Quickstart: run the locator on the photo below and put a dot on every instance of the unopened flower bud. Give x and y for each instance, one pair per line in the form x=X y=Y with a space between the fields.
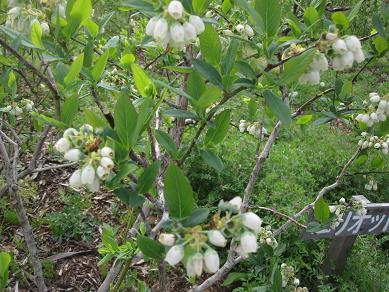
x=107 y=152
x=175 y=255
x=167 y=239
x=216 y=238
x=211 y=261
x=106 y=162
x=75 y=179
x=248 y=242
x=194 y=266
x=62 y=145
x=88 y=175
x=102 y=172
x=73 y=155
x=198 y=23
x=252 y=221
x=236 y=202
x=175 y=9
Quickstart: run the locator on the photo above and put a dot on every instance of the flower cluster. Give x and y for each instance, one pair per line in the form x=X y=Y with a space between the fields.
x=84 y=146
x=288 y=277
x=345 y=51
x=171 y=28
x=378 y=110
x=379 y=143
x=342 y=207
x=253 y=128
x=245 y=30
x=312 y=75
x=371 y=185
x=195 y=247
x=16 y=108
x=266 y=237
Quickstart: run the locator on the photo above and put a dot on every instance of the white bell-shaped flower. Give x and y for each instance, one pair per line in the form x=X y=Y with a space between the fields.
x=248 y=242
x=331 y=36
x=359 y=56
x=161 y=32
x=88 y=175
x=249 y=30
x=151 y=25
x=353 y=43
x=62 y=145
x=198 y=23
x=347 y=60
x=45 y=28
x=175 y=255
x=73 y=155
x=337 y=63
x=239 y=250
x=175 y=9
x=216 y=238
x=177 y=35
x=94 y=186
x=374 y=97
x=194 y=266
x=240 y=28
x=106 y=162
x=190 y=32
x=252 y=221
x=319 y=63
x=75 y=179
x=236 y=202
x=211 y=261
x=107 y=152
x=339 y=46
x=102 y=172
x=167 y=239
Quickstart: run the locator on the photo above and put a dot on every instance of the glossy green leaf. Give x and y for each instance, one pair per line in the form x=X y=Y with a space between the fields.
x=210 y=45
x=99 y=67
x=132 y=199
x=322 y=211
x=229 y=58
x=296 y=66
x=270 y=11
x=5 y=260
x=69 y=109
x=81 y=10
x=178 y=192
x=125 y=118
x=341 y=21
x=199 y=6
x=36 y=34
x=216 y=134
x=150 y=248
x=94 y=119
x=278 y=107
x=197 y=217
x=209 y=96
x=166 y=142
x=147 y=178
x=196 y=85
x=303 y=120
x=143 y=83
x=74 y=69
x=127 y=60
x=212 y=160
x=311 y=16
x=208 y=71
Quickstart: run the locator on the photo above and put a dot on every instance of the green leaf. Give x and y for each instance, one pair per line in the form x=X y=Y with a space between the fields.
x=311 y=16
x=229 y=59
x=147 y=178
x=276 y=279
x=199 y=6
x=94 y=119
x=5 y=260
x=278 y=107
x=252 y=108
x=381 y=45
x=314 y=227
x=125 y=118
x=302 y=120
x=81 y=10
x=209 y=72
x=167 y=142
x=127 y=60
x=377 y=162
x=196 y=85
x=132 y=199
x=144 y=84
x=36 y=34
x=74 y=69
x=99 y=67
x=354 y=12
x=178 y=192
x=210 y=45
x=296 y=66
x=197 y=217
x=150 y=248
x=178 y=91
x=347 y=89
x=92 y=27
x=212 y=160
x=340 y=20
x=322 y=211
x=50 y=120
x=209 y=96
x=216 y=134
x=270 y=11
x=108 y=238
x=234 y=277
x=69 y=109
x=142 y=5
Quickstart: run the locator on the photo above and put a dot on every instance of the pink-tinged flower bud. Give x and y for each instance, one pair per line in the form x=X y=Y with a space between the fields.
x=211 y=261
x=75 y=179
x=175 y=9
x=106 y=162
x=102 y=172
x=175 y=255
x=198 y=23
x=88 y=175
x=194 y=266
x=62 y=145
x=216 y=238
x=236 y=202
x=252 y=221
x=73 y=155
x=151 y=25
x=167 y=239
x=248 y=242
